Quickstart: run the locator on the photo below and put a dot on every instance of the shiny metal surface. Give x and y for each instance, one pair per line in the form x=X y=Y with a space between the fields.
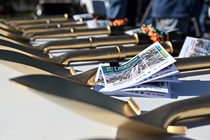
x=160 y=120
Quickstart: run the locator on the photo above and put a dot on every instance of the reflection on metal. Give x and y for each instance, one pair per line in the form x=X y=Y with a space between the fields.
x=72 y=71
x=136 y=37
x=194 y=112
x=178 y=130
x=91 y=81
x=170 y=49
x=133 y=105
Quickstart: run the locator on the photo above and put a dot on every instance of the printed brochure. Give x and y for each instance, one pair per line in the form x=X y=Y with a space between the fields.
x=137 y=76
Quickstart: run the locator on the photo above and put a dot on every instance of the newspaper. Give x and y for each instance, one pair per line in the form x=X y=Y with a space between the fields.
x=165 y=73
x=151 y=65
x=155 y=89
x=195 y=47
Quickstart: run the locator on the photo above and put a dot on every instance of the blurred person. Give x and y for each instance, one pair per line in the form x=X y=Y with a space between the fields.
x=173 y=14
x=139 y=11
x=203 y=16
x=116 y=9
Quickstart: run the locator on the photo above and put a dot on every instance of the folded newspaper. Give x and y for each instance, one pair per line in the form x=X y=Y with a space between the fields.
x=195 y=47
x=148 y=74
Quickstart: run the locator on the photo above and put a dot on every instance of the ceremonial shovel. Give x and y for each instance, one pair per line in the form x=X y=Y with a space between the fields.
x=38 y=19
x=43 y=27
x=90 y=42
x=63 y=33
x=121 y=115
x=116 y=52
x=182 y=64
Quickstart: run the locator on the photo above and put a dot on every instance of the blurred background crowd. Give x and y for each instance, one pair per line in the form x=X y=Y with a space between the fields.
x=189 y=16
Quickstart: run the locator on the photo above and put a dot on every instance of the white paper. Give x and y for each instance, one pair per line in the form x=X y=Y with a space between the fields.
x=83 y=16
x=98 y=23
x=145 y=64
x=195 y=47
